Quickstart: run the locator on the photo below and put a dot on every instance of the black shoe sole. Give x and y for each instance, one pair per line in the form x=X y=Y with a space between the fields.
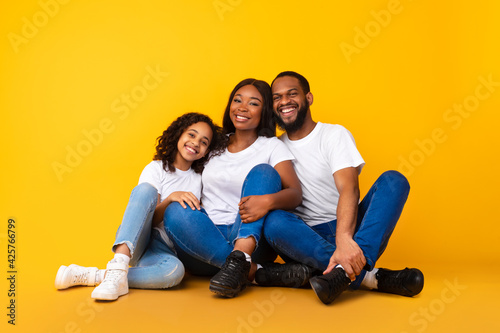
x=316 y=286
x=225 y=292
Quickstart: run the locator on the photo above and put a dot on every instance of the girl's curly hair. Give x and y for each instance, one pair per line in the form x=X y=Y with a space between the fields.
x=166 y=147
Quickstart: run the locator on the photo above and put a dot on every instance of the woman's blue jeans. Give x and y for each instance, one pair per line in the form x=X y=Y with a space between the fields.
x=378 y=214
x=199 y=242
x=154 y=264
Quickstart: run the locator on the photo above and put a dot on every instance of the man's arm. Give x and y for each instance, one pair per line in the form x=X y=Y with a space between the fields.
x=348 y=253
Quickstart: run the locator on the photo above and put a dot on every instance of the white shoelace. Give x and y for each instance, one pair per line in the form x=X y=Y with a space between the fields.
x=113 y=276
x=81 y=276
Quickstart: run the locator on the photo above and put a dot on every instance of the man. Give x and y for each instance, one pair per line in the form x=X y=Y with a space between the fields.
x=331 y=231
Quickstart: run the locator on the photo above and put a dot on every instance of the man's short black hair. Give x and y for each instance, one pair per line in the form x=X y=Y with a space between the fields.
x=302 y=80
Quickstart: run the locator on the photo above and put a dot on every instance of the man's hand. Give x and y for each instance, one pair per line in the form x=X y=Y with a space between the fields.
x=253 y=207
x=184 y=198
x=349 y=255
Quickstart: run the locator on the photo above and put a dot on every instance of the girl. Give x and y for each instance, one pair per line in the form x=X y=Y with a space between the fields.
x=174 y=175
x=251 y=177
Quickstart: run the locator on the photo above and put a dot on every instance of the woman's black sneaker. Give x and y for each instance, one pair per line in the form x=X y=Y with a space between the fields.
x=292 y=275
x=407 y=282
x=232 y=277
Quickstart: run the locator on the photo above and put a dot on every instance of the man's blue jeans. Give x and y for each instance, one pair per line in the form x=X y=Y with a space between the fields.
x=154 y=264
x=199 y=242
x=378 y=214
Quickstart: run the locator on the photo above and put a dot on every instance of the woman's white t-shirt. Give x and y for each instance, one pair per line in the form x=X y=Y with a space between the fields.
x=224 y=175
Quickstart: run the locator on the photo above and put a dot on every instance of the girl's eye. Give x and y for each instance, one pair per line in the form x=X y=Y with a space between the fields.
x=191 y=135
x=204 y=143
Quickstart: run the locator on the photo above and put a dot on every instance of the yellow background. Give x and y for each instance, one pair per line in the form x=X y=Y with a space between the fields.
x=65 y=69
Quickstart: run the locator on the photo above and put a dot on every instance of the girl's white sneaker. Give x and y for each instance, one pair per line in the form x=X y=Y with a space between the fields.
x=115 y=283
x=74 y=275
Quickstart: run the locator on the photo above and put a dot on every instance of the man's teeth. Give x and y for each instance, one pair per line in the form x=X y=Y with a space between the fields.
x=287 y=110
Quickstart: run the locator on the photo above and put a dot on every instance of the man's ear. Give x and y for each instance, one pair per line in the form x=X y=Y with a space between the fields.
x=310 y=98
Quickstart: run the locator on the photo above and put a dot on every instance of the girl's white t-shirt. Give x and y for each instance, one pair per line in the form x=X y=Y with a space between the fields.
x=167 y=182
x=224 y=175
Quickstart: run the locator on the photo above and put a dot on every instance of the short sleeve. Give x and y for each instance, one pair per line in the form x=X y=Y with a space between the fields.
x=342 y=151
x=279 y=153
x=152 y=174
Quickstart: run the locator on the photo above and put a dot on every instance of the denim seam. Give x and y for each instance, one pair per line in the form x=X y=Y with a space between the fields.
x=136 y=238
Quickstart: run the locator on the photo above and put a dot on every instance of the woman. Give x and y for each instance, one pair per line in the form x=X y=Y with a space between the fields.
x=253 y=176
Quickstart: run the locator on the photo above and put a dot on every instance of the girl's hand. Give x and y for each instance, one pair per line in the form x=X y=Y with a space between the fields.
x=184 y=198
x=253 y=207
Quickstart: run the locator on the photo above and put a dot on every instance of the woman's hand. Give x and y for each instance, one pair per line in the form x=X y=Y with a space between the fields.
x=253 y=207
x=184 y=198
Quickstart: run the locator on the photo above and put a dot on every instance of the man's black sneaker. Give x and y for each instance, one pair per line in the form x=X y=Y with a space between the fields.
x=232 y=277
x=329 y=286
x=292 y=275
x=407 y=282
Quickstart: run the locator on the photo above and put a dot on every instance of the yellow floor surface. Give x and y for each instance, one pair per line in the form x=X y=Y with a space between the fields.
x=454 y=299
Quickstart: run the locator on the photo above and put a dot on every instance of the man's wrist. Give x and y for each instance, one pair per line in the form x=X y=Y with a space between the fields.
x=343 y=237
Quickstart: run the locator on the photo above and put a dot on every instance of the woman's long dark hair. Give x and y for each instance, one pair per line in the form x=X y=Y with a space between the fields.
x=267 y=125
x=166 y=148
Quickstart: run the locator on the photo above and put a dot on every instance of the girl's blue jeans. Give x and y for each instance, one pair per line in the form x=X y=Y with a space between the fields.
x=154 y=263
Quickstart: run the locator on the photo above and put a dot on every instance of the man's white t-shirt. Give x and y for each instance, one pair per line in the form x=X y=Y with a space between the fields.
x=327 y=149
x=224 y=175
x=167 y=182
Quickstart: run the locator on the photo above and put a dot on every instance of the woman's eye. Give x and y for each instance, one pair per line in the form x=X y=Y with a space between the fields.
x=236 y=100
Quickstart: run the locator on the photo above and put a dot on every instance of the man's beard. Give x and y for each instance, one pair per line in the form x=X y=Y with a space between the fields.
x=297 y=123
